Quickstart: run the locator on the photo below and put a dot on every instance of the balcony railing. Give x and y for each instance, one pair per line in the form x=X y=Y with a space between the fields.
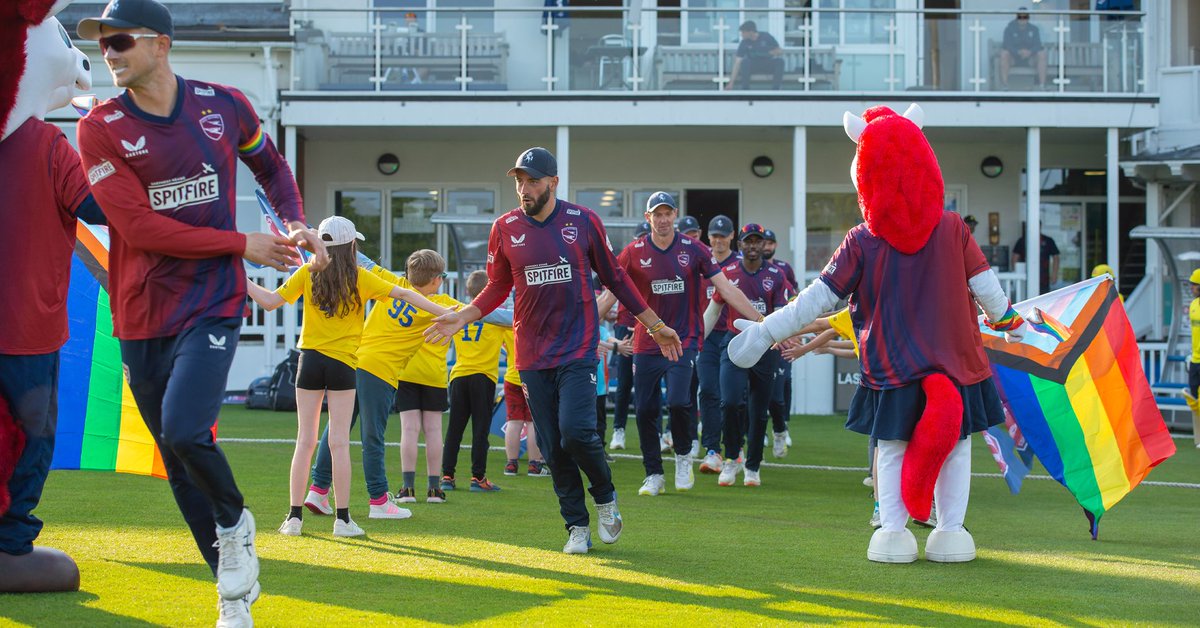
x=587 y=49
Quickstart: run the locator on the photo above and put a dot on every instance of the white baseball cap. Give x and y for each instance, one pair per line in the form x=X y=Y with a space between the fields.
x=336 y=230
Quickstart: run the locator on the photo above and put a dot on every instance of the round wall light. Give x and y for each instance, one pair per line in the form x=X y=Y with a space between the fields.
x=991 y=166
x=388 y=164
x=762 y=166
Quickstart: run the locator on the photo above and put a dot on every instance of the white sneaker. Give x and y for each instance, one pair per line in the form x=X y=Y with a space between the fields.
x=618 y=439
x=236 y=613
x=237 y=567
x=729 y=470
x=751 y=478
x=389 y=510
x=318 y=503
x=695 y=452
x=787 y=437
x=875 y=521
x=931 y=522
x=711 y=463
x=684 y=479
x=653 y=485
x=665 y=443
x=869 y=482
x=346 y=528
x=780 y=449
x=579 y=542
x=292 y=526
x=610 y=521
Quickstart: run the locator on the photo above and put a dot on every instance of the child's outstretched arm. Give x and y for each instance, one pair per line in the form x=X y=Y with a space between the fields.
x=265 y=299
x=418 y=299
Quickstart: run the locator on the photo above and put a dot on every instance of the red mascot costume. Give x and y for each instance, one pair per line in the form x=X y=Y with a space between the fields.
x=912 y=274
x=42 y=190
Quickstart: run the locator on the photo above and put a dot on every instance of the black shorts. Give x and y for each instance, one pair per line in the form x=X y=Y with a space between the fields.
x=410 y=396
x=318 y=371
x=1193 y=377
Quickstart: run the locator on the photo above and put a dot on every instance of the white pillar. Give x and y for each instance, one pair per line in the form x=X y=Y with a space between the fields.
x=1113 y=175
x=1153 y=210
x=802 y=387
x=562 y=147
x=1033 y=211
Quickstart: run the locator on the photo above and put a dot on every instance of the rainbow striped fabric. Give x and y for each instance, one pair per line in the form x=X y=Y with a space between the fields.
x=99 y=427
x=1079 y=395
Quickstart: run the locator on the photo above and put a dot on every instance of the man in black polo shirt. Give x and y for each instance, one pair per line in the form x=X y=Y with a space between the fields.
x=1022 y=46
x=758 y=53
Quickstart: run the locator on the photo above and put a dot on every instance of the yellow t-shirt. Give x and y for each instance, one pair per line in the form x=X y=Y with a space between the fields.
x=427 y=366
x=395 y=331
x=477 y=350
x=1194 y=316
x=840 y=323
x=337 y=337
x=511 y=374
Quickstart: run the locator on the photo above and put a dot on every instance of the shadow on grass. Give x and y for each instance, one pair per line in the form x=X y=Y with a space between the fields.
x=50 y=609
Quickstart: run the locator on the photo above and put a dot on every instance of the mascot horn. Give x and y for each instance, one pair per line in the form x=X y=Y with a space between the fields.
x=913 y=276
x=42 y=189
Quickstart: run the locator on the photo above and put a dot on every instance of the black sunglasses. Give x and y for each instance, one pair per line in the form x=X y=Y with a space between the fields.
x=122 y=41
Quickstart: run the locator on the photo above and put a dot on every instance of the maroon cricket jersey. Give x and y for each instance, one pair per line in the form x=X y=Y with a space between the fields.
x=721 y=325
x=766 y=289
x=671 y=282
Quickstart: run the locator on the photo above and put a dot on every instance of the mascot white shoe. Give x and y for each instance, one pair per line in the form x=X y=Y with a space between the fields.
x=42 y=190
x=913 y=276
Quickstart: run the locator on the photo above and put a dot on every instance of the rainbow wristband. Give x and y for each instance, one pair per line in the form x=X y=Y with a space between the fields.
x=1010 y=321
x=656 y=327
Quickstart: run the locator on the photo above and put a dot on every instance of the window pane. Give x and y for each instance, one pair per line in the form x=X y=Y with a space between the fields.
x=483 y=22
x=639 y=198
x=365 y=209
x=830 y=216
x=396 y=18
x=467 y=246
x=471 y=202
x=828 y=24
x=605 y=202
x=411 y=227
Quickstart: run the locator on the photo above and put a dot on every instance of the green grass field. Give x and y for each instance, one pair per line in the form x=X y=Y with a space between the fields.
x=790 y=551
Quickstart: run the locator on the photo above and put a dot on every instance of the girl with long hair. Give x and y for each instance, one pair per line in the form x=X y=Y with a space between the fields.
x=329 y=338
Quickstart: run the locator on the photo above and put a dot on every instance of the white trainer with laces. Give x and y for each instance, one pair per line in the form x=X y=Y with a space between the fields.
x=388 y=510
x=237 y=567
x=751 y=478
x=346 y=528
x=780 y=448
x=611 y=523
x=729 y=470
x=684 y=478
x=579 y=541
x=318 y=503
x=695 y=452
x=653 y=485
x=618 y=439
x=711 y=463
x=292 y=526
x=236 y=613
x=787 y=437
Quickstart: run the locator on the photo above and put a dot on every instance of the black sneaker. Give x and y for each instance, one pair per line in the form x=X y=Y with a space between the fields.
x=406 y=495
x=435 y=496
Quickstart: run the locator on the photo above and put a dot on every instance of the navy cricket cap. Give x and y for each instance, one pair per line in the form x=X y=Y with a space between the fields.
x=688 y=223
x=537 y=162
x=129 y=14
x=769 y=235
x=660 y=198
x=641 y=230
x=720 y=225
x=751 y=229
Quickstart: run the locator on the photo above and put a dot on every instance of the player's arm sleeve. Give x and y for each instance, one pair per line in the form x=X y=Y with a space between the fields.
x=499 y=273
x=844 y=270
x=272 y=172
x=70 y=186
x=610 y=272
x=373 y=286
x=293 y=288
x=126 y=205
x=500 y=316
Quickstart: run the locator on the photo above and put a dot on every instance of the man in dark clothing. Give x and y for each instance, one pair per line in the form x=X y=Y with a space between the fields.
x=758 y=53
x=1048 y=268
x=1022 y=46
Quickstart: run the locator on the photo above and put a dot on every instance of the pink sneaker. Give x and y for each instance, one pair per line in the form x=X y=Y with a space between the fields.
x=317 y=500
x=385 y=508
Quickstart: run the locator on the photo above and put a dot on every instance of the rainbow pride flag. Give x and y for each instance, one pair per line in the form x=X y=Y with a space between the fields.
x=99 y=427
x=1083 y=402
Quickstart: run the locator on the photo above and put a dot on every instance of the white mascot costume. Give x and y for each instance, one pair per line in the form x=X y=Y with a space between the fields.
x=913 y=275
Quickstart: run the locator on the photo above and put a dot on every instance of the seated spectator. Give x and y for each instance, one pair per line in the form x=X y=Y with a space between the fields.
x=758 y=53
x=1022 y=47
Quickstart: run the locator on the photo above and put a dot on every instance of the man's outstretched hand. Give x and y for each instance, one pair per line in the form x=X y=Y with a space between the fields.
x=445 y=327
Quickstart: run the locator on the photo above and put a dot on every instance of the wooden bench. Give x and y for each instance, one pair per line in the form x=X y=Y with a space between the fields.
x=434 y=57
x=679 y=67
x=1083 y=65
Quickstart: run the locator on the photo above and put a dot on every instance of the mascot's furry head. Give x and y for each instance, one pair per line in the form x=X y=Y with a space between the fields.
x=39 y=72
x=899 y=182
x=39 y=67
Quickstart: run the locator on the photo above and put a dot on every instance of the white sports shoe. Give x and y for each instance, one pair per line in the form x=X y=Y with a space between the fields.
x=729 y=470
x=787 y=437
x=711 y=463
x=389 y=510
x=579 y=542
x=318 y=503
x=236 y=613
x=237 y=567
x=610 y=521
x=875 y=521
x=653 y=485
x=292 y=526
x=618 y=439
x=346 y=528
x=695 y=452
x=684 y=478
x=780 y=449
x=665 y=443
x=869 y=482
x=751 y=478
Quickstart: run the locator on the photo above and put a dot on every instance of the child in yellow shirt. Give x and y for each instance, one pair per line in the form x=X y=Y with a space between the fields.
x=329 y=339
x=516 y=410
